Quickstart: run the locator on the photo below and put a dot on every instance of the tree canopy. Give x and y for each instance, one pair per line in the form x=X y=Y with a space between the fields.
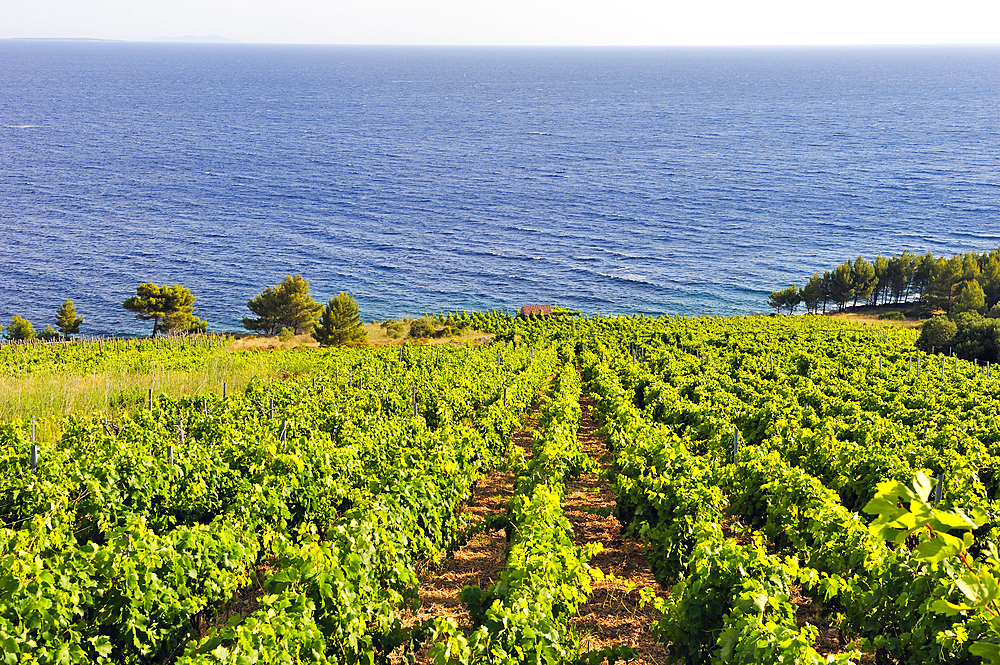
x=790 y=298
x=287 y=305
x=67 y=322
x=340 y=323
x=20 y=329
x=170 y=308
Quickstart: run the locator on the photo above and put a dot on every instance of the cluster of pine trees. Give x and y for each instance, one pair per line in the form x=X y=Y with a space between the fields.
x=287 y=309
x=962 y=283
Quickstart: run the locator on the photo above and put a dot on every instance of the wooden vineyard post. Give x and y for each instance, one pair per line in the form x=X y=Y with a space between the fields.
x=505 y=396
x=149 y=399
x=736 y=442
x=224 y=390
x=270 y=408
x=314 y=383
x=283 y=435
x=414 y=401
x=939 y=489
x=34 y=447
x=204 y=406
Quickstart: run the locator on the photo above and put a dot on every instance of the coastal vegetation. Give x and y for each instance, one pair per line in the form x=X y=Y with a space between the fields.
x=960 y=283
x=340 y=323
x=785 y=478
x=170 y=308
x=287 y=305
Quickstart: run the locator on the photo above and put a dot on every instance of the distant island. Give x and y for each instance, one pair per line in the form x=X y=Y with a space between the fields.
x=201 y=39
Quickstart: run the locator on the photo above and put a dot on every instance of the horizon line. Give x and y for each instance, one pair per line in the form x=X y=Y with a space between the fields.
x=225 y=41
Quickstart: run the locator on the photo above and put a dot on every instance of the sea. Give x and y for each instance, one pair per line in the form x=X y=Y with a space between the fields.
x=688 y=181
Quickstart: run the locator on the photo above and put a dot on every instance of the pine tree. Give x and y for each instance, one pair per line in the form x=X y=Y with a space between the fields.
x=67 y=322
x=170 y=308
x=287 y=305
x=841 y=285
x=20 y=329
x=863 y=279
x=340 y=323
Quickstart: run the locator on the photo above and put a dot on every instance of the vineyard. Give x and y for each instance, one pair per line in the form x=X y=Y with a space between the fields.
x=781 y=475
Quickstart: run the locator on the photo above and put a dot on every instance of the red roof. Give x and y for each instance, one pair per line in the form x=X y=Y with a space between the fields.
x=537 y=310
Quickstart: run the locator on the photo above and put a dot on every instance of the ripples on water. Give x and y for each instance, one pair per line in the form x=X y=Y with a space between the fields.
x=611 y=180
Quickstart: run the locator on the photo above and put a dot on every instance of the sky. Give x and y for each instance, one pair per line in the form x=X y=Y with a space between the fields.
x=513 y=22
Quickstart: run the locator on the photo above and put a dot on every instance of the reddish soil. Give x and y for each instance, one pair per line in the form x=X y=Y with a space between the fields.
x=613 y=614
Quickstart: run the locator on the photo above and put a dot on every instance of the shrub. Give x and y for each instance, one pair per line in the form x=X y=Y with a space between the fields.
x=977 y=338
x=422 y=328
x=393 y=329
x=937 y=332
x=892 y=316
x=286 y=334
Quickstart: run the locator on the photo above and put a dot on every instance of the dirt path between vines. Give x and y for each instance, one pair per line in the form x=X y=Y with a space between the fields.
x=481 y=559
x=612 y=615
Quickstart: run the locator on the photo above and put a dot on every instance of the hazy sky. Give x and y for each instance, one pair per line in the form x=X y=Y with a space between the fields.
x=514 y=22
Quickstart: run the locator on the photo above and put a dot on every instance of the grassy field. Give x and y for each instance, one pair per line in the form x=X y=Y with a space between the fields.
x=50 y=394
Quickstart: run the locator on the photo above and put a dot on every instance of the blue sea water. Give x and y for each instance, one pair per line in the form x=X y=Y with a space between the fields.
x=690 y=181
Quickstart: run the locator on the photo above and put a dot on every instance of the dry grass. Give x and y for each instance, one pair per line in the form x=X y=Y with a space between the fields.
x=377 y=336
x=49 y=396
x=870 y=316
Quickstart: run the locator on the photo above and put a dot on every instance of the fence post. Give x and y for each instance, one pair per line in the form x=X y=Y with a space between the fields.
x=34 y=448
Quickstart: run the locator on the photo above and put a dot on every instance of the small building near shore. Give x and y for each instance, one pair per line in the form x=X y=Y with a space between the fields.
x=536 y=310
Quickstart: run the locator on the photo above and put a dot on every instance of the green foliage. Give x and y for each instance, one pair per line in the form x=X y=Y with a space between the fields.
x=789 y=298
x=563 y=311
x=964 y=282
x=170 y=308
x=287 y=305
x=393 y=328
x=970 y=298
x=67 y=321
x=48 y=334
x=340 y=323
x=20 y=329
x=422 y=327
x=842 y=284
x=286 y=334
x=937 y=332
x=863 y=279
x=110 y=553
x=977 y=338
